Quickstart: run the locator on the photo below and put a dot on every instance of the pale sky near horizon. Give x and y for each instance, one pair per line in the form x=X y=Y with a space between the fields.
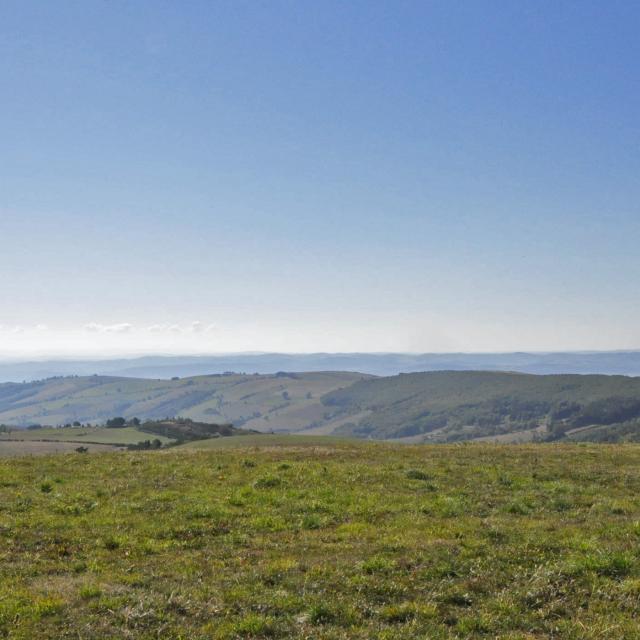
x=334 y=176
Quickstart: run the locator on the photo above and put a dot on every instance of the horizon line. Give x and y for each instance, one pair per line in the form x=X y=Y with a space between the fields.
x=27 y=358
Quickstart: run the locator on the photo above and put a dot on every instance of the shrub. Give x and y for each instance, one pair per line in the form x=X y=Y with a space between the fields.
x=416 y=474
x=311 y=521
x=111 y=543
x=255 y=625
x=267 y=482
x=49 y=606
x=610 y=564
x=398 y=612
x=89 y=591
x=518 y=508
x=322 y=613
x=377 y=564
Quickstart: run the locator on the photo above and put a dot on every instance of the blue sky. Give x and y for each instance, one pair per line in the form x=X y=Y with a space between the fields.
x=301 y=176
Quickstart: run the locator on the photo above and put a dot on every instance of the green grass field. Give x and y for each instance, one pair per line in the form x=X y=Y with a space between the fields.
x=268 y=440
x=36 y=448
x=334 y=541
x=98 y=435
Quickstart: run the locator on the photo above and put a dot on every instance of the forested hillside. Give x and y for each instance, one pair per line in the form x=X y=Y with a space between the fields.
x=454 y=405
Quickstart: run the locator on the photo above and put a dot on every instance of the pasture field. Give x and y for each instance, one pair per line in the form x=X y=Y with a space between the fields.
x=269 y=440
x=36 y=448
x=81 y=435
x=335 y=541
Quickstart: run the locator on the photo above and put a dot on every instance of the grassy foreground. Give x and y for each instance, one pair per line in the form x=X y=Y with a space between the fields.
x=341 y=541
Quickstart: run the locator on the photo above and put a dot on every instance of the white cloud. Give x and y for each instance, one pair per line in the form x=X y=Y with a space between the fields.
x=194 y=327
x=121 y=327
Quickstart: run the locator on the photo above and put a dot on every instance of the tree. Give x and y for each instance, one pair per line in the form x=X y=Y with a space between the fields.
x=116 y=423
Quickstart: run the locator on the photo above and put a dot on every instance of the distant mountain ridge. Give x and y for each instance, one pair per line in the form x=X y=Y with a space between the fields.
x=380 y=364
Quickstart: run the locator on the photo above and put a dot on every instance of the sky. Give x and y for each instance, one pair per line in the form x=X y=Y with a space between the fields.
x=203 y=177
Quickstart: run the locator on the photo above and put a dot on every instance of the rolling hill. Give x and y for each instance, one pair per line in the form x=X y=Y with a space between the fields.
x=278 y=402
x=462 y=405
x=446 y=406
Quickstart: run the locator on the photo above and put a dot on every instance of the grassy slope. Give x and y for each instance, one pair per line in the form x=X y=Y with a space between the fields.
x=408 y=405
x=256 y=402
x=367 y=541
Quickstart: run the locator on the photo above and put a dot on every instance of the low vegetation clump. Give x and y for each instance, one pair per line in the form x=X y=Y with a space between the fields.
x=338 y=541
x=185 y=429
